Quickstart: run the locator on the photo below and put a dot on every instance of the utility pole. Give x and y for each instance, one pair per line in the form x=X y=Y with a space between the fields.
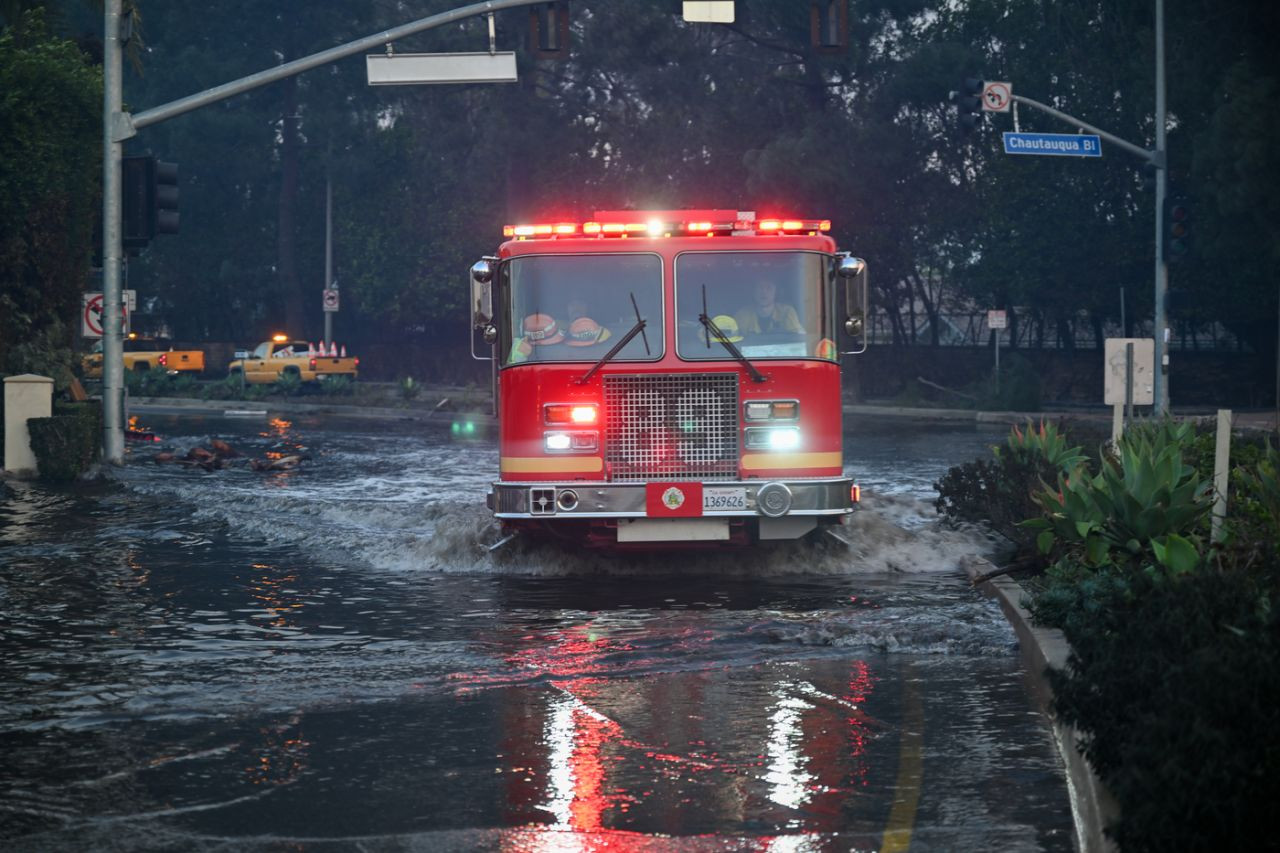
x=1160 y=385
x=328 y=252
x=112 y=342
x=1157 y=157
x=119 y=126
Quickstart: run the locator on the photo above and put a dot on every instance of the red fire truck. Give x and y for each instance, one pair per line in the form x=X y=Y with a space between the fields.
x=670 y=377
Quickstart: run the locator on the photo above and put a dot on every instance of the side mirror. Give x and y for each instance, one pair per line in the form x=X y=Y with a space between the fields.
x=482 y=319
x=854 y=272
x=851 y=267
x=481 y=294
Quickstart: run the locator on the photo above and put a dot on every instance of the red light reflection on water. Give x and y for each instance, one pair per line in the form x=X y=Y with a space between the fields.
x=584 y=754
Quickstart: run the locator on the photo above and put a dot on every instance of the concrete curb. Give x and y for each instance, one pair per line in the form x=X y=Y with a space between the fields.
x=1092 y=806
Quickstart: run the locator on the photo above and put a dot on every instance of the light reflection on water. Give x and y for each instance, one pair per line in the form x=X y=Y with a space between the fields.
x=232 y=658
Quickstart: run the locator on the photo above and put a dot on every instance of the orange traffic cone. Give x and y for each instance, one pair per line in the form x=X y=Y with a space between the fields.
x=333 y=349
x=311 y=350
x=344 y=350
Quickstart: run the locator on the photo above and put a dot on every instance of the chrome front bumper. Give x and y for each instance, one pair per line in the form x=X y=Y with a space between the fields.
x=627 y=500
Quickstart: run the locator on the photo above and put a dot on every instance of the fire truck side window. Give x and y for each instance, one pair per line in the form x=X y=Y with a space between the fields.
x=577 y=307
x=769 y=304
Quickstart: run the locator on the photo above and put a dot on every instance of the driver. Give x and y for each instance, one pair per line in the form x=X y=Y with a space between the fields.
x=765 y=314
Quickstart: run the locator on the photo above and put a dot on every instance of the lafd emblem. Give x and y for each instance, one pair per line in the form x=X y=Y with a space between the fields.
x=673 y=498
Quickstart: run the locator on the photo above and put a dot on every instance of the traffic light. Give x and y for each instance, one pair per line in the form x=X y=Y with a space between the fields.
x=149 y=200
x=549 y=30
x=135 y=219
x=1177 y=229
x=164 y=194
x=1148 y=177
x=970 y=103
x=829 y=26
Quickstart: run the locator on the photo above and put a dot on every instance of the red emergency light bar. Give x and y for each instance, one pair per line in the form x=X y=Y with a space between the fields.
x=665 y=223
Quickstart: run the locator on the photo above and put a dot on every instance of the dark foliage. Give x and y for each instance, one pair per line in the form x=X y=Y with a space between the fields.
x=996 y=492
x=66 y=445
x=1175 y=682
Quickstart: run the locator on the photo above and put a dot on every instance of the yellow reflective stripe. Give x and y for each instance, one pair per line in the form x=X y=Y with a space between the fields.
x=775 y=461
x=545 y=465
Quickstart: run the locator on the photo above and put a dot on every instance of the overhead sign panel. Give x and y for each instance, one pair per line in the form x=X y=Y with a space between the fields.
x=407 y=68
x=708 y=11
x=1056 y=144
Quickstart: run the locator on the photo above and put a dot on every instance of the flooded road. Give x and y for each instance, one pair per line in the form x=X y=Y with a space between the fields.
x=327 y=658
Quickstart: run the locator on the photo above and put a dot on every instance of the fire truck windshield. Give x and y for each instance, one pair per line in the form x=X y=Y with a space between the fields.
x=770 y=304
x=577 y=307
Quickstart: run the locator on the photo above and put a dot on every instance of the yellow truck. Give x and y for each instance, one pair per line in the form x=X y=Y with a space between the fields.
x=142 y=354
x=280 y=356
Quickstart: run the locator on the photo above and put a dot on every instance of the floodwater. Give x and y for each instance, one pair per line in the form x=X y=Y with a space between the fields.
x=327 y=658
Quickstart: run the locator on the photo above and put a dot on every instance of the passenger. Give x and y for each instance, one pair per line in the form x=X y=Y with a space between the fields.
x=538 y=330
x=765 y=315
x=585 y=332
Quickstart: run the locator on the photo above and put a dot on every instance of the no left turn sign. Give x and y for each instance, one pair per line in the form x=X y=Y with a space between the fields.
x=91 y=315
x=996 y=96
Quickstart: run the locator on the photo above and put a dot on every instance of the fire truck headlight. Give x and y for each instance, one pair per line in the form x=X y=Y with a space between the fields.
x=773 y=438
x=784 y=439
x=571 y=442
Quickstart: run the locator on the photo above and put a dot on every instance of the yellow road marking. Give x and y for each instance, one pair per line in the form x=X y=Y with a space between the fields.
x=902 y=816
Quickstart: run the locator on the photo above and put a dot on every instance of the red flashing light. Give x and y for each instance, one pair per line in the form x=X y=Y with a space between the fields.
x=313 y=364
x=666 y=223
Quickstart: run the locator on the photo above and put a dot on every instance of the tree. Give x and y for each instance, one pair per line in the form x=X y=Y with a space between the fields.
x=50 y=167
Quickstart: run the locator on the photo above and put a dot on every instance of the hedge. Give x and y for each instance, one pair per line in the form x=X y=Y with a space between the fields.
x=67 y=444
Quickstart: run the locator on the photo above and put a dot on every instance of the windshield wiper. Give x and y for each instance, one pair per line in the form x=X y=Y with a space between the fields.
x=637 y=329
x=713 y=331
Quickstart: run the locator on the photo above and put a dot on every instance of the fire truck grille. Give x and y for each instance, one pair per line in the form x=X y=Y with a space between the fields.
x=672 y=427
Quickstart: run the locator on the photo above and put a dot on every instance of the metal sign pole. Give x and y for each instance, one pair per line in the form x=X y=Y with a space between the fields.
x=112 y=345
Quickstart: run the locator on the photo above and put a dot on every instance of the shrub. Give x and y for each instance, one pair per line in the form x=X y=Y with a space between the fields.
x=288 y=384
x=1145 y=506
x=1175 y=661
x=66 y=445
x=1001 y=492
x=1019 y=389
x=409 y=388
x=1174 y=682
x=338 y=386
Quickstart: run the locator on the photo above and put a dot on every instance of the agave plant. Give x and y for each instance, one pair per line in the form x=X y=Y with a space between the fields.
x=1144 y=506
x=1047 y=443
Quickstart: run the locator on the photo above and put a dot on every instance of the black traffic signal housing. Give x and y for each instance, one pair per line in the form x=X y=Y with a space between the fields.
x=549 y=30
x=149 y=200
x=1177 y=229
x=1149 y=174
x=135 y=219
x=970 y=103
x=829 y=26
